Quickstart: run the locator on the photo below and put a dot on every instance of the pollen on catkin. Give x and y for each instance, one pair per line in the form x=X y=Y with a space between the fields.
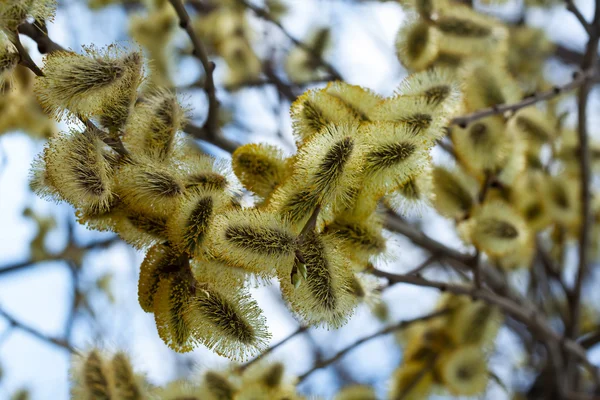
x=534 y=126
x=9 y=58
x=161 y=262
x=325 y=297
x=153 y=124
x=229 y=323
x=97 y=83
x=259 y=167
x=413 y=194
x=437 y=88
x=139 y=229
x=257 y=241
x=76 y=167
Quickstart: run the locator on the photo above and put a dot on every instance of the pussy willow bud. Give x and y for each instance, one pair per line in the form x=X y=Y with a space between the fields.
x=128 y=386
x=497 y=229
x=92 y=378
x=256 y=241
x=488 y=85
x=147 y=186
x=325 y=297
x=316 y=109
x=454 y=192
x=191 y=219
x=78 y=169
x=229 y=323
x=153 y=124
x=360 y=101
x=483 y=145
x=326 y=169
x=356 y=392
x=15 y=12
x=97 y=83
x=160 y=263
x=259 y=167
x=464 y=371
x=417 y=45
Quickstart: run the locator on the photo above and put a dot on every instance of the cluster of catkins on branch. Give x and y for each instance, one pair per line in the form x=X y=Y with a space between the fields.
x=525 y=162
x=314 y=225
x=448 y=351
x=100 y=375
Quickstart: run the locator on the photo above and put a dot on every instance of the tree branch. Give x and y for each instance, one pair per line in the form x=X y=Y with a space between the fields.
x=392 y=328
x=212 y=120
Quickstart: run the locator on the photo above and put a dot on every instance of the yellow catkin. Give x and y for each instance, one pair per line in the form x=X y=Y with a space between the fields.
x=229 y=323
x=149 y=187
x=417 y=45
x=153 y=124
x=454 y=192
x=91 y=378
x=190 y=221
x=14 y=12
x=259 y=167
x=325 y=297
x=411 y=382
x=171 y=301
x=464 y=371
x=78 y=169
x=497 y=229
x=127 y=385
x=259 y=242
x=315 y=110
x=161 y=262
x=97 y=83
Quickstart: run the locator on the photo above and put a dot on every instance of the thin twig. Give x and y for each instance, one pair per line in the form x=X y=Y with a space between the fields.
x=212 y=120
x=264 y=14
x=300 y=330
x=527 y=315
x=385 y=331
x=578 y=80
x=577 y=13
x=26 y=328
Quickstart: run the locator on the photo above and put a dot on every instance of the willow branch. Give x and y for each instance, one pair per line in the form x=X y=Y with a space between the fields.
x=264 y=14
x=34 y=332
x=211 y=124
x=292 y=335
x=392 y=328
x=579 y=79
x=523 y=313
x=577 y=13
